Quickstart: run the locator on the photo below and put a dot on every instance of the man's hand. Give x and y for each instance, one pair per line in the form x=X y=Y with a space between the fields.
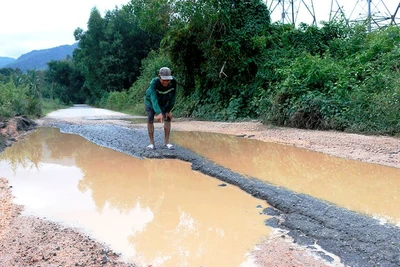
x=159 y=117
x=169 y=115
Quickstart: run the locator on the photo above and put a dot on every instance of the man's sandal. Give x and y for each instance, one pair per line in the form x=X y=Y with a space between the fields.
x=151 y=147
x=169 y=146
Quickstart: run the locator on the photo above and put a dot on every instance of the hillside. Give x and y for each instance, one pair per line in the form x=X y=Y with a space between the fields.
x=5 y=61
x=37 y=59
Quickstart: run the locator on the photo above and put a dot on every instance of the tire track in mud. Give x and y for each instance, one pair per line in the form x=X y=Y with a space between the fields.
x=357 y=239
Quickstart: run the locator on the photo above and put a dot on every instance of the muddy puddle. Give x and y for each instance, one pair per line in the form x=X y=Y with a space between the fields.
x=366 y=188
x=154 y=212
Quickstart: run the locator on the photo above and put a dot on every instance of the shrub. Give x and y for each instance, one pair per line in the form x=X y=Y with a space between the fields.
x=117 y=101
x=17 y=101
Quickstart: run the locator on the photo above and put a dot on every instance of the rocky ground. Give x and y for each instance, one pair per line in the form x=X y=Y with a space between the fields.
x=27 y=241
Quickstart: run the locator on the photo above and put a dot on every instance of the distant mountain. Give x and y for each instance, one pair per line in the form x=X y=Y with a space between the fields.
x=6 y=60
x=37 y=59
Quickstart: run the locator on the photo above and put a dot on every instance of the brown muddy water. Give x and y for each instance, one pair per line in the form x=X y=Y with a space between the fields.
x=362 y=187
x=155 y=212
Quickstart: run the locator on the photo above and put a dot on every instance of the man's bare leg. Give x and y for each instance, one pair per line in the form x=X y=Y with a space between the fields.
x=150 y=130
x=167 y=131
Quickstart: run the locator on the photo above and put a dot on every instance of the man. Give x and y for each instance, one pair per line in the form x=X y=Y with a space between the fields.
x=160 y=99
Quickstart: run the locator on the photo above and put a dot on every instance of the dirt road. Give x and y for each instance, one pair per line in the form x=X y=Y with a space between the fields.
x=23 y=242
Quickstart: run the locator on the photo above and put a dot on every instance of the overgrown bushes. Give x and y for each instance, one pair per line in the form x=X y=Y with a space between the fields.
x=357 y=93
x=335 y=77
x=16 y=101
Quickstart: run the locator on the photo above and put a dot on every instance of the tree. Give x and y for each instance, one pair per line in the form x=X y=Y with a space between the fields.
x=89 y=54
x=218 y=47
x=65 y=82
x=111 y=50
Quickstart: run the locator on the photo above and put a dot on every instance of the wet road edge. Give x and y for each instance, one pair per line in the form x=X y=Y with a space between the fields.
x=358 y=240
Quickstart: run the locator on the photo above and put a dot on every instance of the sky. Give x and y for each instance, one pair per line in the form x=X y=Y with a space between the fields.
x=27 y=25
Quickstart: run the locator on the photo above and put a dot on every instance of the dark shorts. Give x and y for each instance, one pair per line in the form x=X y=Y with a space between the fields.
x=151 y=113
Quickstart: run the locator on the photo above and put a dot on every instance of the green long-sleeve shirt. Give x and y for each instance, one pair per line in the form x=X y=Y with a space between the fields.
x=160 y=98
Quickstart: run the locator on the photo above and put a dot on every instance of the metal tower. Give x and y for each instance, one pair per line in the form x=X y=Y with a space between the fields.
x=287 y=11
x=376 y=13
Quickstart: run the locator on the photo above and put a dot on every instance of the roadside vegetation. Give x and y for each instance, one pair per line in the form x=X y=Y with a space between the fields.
x=231 y=63
x=25 y=94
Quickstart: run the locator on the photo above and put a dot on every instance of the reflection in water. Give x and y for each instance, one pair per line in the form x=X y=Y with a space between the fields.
x=367 y=188
x=157 y=212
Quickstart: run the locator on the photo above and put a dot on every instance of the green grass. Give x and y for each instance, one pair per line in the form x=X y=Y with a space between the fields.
x=49 y=105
